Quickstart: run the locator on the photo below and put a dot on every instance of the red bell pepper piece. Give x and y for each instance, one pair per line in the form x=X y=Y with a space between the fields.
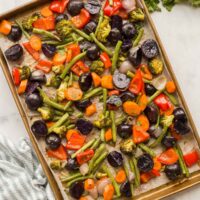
x=75 y=48
x=85 y=156
x=139 y=135
x=47 y=23
x=16 y=76
x=58 y=153
x=136 y=85
x=191 y=158
x=76 y=141
x=79 y=68
x=58 y=6
x=106 y=60
x=44 y=65
x=162 y=102
x=168 y=157
x=82 y=19
x=111 y=10
x=35 y=54
x=155 y=172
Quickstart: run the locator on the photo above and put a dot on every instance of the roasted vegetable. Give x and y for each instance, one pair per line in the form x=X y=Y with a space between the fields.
x=56 y=164
x=55 y=81
x=15 y=33
x=58 y=69
x=166 y=121
x=14 y=53
x=33 y=101
x=48 y=50
x=103 y=121
x=84 y=126
x=113 y=102
x=115 y=159
x=136 y=15
x=120 y=81
x=127 y=146
x=145 y=163
x=74 y=7
x=60 y=130
x=38 y=76
x=156 y=66
x=135 y=57
x=76 y=190
x=150 y=48
x=46 y=113
x=28 y=22
x=97 y=67
x=173 y=171
x=128 y=30
x=53 y=141
x=39 y=128
x=85 y=81
x=61 y=91
x=93 y=52
x=63 y=28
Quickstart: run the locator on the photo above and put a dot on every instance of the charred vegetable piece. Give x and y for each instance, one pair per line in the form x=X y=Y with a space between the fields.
x=116 y=22
x=135 y=56
x=85 y=81
x=169 y=141
x=113 y=102
x=39 y=128
x=61 y=17
x=150 y=49
x=127 y=96
x=38 y=76
x=84 y=45
x=15 y=33
x=84 y=126
x=125 y=189
x=72 y=164
x=76 y=189
x=48 y=50
x=33 y=101
x=90 y=27
x=173 y=172
x=181 y=127
x=28 y=22
x=74 y=7
x=120 y=81
x=152 y=113
x=82 y=105
x=128 y=30
x=179 y=114
x=145 y=163
x=55 y=81
x=53 y=141
x=114 y=36
x=115 y=159
x=97 y=66
x=46 y=112
x=155 y=131
x=156 y=66
x=127 y=146
x=127 y=44
x=93 y=52
x=92 y=6
x=136 y=15
x=149 y=89
x=124 y=131
x=63 y=28
x=14 y=53
x=32 y=87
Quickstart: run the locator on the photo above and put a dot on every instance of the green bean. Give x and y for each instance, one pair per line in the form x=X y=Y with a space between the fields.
x=71 y=126
x=67 y=177
x=116 y=56
x=83 y=148
x=100 y=159
x=71 y=63
x=137 y=172
x=172 y=98
x=68 y=43
x=59 y=123
x=46 y=33
x=116 y=186
x=70 y=79
x=92 y=93
x=102 y=134
x=105 y=95
x=56 y=118
x=82 y=34
x=79 y=179
x=99 y=21
x=138 y=38
x=59 y=113
x=147 y=149
x=114 y=131
x=121 y=119
x=131 y=75
x=96 y=143
x=100 y=45
x=23 y=30
x=157 y=93
x=67 y=106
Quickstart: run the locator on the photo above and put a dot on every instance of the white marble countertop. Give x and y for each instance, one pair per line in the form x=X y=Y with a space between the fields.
x=180 y=34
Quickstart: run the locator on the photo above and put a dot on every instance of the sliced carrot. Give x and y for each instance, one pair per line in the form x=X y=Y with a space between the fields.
x=58 y=153
x=5 y=27
x=50 y=124
x=22 y=86
x=96 y=79
x=75 y=48
x=143 y=101
x=145 y=177
x=108 y=135
x=107 y=82
x=157 y=165
x=168 y=157
x=68 y=55
x=145 y=72
x=89 y=184
x=113 y=92
x=108 y=192
x=143 y=122
x=83 y=198
x=90 y=110
x=70 y=133
x=170 y=87
x=35 y=42
x=131 y=108
x=35 y=54
x=59 y=58
x=46 y=12
x=73 y=94
x=139 y=135
x=120 y=176
x=79 y=68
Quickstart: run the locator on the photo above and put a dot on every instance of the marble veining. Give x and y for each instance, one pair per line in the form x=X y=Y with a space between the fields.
x=180 y=34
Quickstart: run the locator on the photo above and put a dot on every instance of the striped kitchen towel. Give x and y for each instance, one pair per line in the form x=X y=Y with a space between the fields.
x=21 y=176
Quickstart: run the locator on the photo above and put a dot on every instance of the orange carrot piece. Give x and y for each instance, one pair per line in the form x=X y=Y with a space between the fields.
x=89 y=184
x=120 y=176
x=108 y=192
x=50 y=124
x=22 y=86
x=157 y=165
x=68 y=55
x=73 y=94
x=139 y=135
x=70 y=133
x=96 y=79
x=46 y=12
x=35 y=54
x=5 y=27
x=145 y=177
x=143 y=101
x=108 y=135
x=113 y=92
x=107 y=82
x=59 y=58
x=143 y=122
x=131 y=108
x=35 y=42
x=171 y=87
x=168 y=157
x=90 y=110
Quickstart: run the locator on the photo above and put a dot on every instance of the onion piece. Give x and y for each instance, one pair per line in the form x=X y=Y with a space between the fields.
x=129 y=5
x=102 y=184
x=93 y=193
x=160 y=82
x=131 y=176
x=126 y=66
x=84 y=168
